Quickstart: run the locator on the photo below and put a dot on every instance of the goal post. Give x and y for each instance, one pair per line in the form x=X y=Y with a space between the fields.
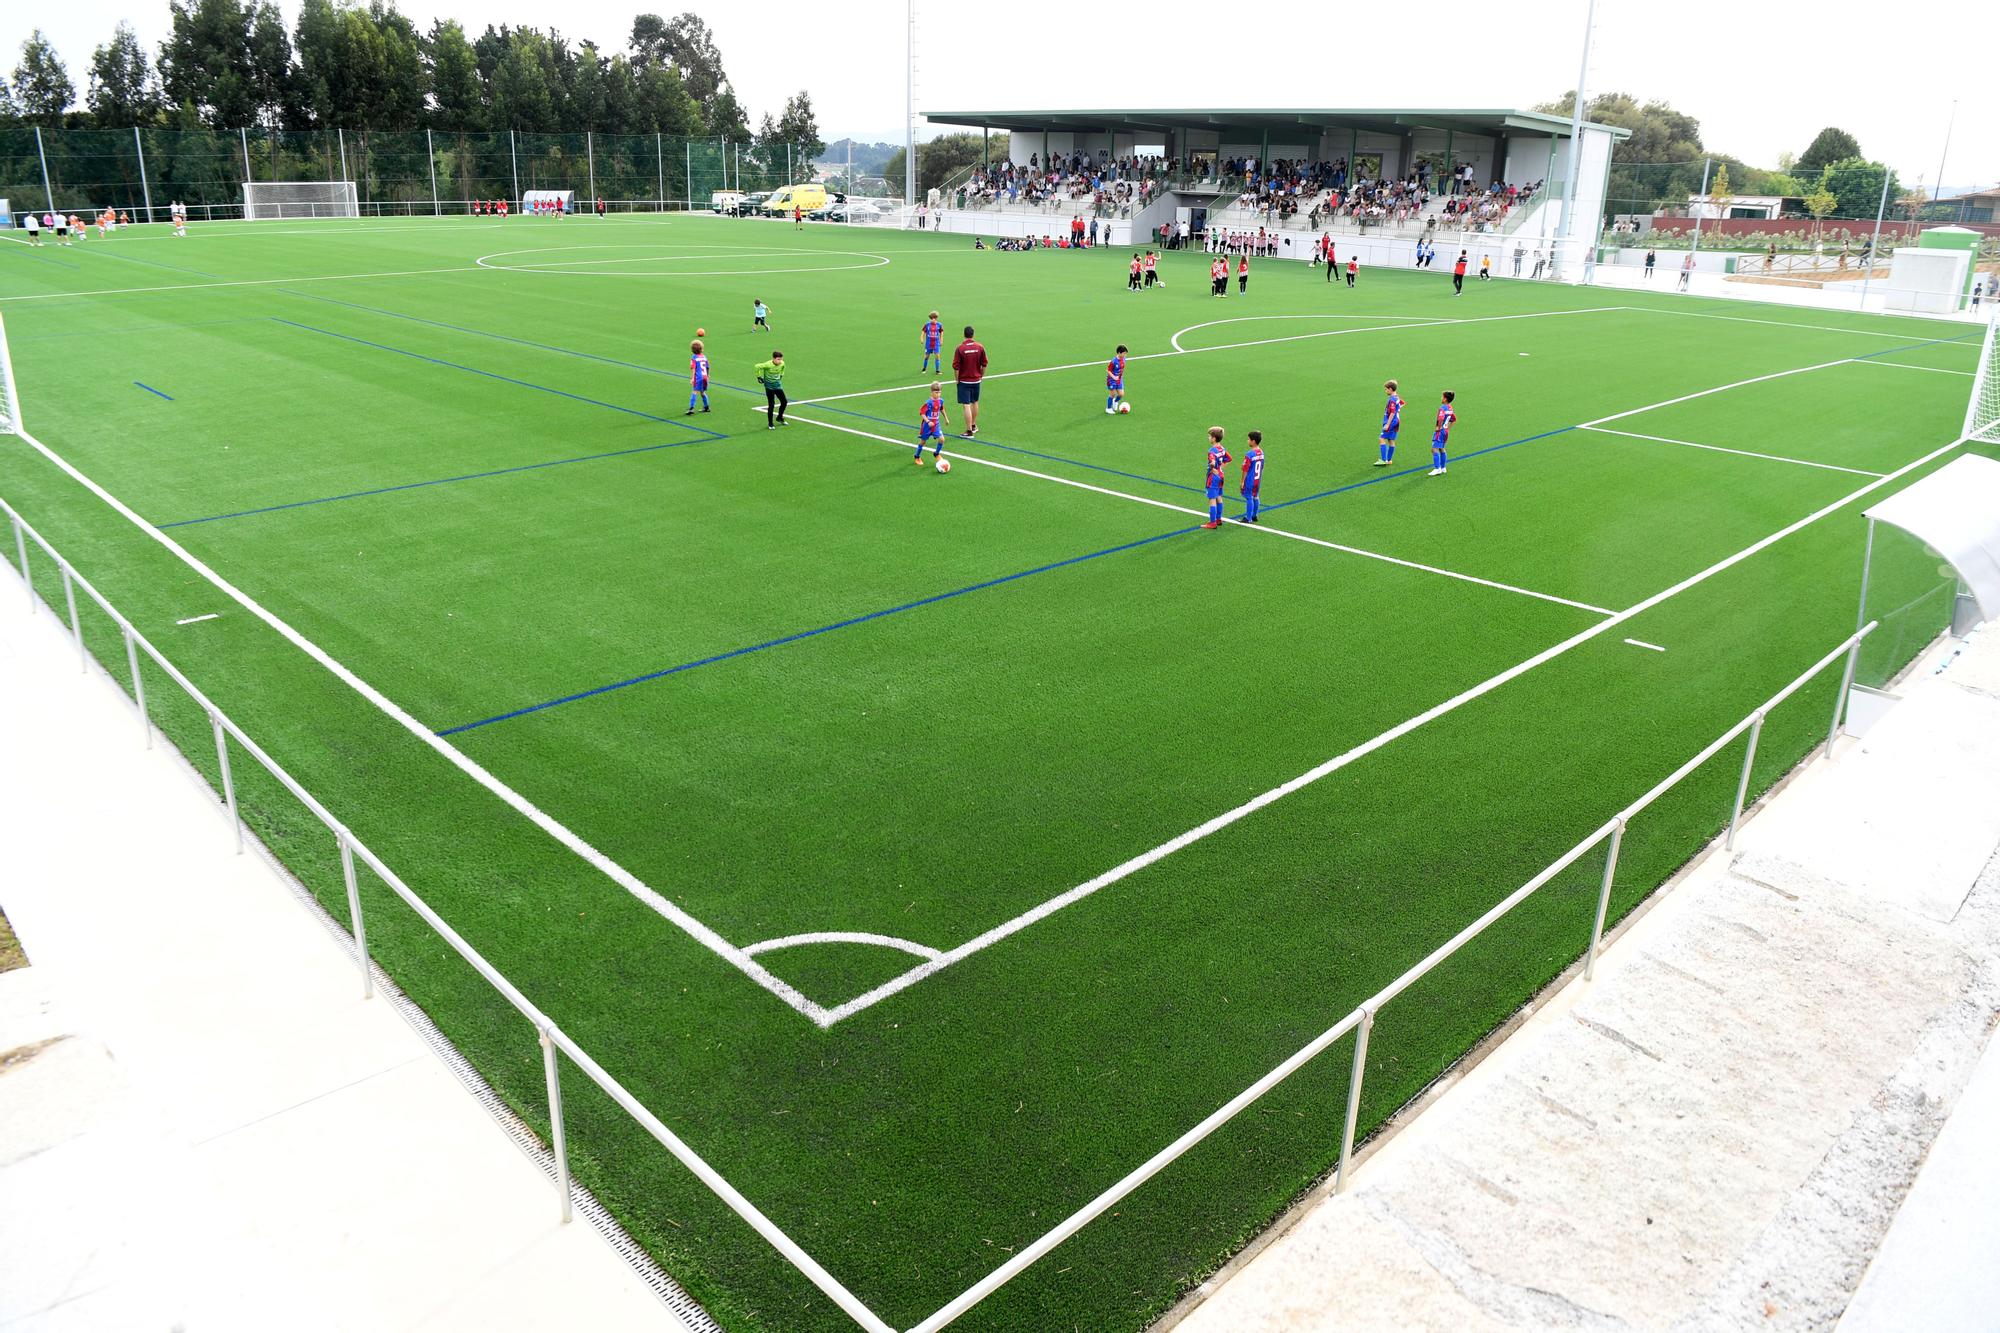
x=299 y=199
x=10 y=402
x=1982 y=413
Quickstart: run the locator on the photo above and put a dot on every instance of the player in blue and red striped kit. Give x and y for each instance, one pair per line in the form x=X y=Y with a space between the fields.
x=931 y=423
x=1441 y=433
x=697 y=377
x=1114 y=380
x=1253 y=475
x=933 y=345
x=1218 y=458
x=1392 y=421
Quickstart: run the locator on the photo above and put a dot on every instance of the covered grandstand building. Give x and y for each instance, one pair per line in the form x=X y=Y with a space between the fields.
x=1198 y=175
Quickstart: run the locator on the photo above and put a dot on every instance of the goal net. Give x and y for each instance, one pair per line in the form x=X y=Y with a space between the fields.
x=300 y=199
x=10 y=404
x=1982 y=414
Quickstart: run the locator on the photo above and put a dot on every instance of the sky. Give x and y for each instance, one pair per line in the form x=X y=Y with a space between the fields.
x=1755 y=94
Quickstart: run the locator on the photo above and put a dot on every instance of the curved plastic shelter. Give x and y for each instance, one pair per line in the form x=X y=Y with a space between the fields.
x=1956 y=512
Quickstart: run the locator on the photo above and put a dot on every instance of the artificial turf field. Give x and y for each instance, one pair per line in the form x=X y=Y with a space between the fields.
x=908 y=761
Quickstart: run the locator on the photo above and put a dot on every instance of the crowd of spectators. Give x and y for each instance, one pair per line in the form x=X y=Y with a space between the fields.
x=1104 y=185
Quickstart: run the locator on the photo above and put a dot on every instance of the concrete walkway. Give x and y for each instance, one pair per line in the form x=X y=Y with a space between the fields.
x=203 y=1125
x=1718 y=1132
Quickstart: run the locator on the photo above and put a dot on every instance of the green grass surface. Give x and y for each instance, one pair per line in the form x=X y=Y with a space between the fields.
x=850 y=695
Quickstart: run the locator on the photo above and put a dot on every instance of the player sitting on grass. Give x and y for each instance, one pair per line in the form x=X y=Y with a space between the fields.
x=1114 y=381
x=931 y=422
x=697 y=377
x=1445 y=420
x=1218 y=458
x=1253 y=476
x=1392 y=421
x=933 y=345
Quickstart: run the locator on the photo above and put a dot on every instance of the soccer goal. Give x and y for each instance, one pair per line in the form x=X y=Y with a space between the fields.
x=300 y=199
x=1982 y=414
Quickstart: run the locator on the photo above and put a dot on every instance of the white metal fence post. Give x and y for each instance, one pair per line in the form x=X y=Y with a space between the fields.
x=430 y=151
x=228 y=781
x=75 y=623
x=354 y=913
x=1353 y=1098
x=1604 y=899
x=687 y=152
x=660 y=161
x=27 y=578
x=145 y=190
x=138 y=683
x=514 y=161
x=243 y=135
x=340 y=136
x=558 y=1139
x=47 y=189
x=590 y=163
x=1840 y=700
x=1743 y=783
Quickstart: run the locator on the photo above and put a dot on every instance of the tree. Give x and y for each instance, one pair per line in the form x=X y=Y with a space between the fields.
x=205 y=61
x=121 y=83
x=1660 y=163
x=521 y=98
x=664 y=105
x=1856 y=186
x=9 y=110
x=1820 y=203
x=274 y=80
x=42 y=89
x=725 y=115
x=1830 y=145
x=457 y=99
x=1718 y=191
x=798 y=127
x=937 y=160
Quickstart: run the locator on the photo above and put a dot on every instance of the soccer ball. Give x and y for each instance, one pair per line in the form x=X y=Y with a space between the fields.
x=944 y=465
x=1124 y=406
x=701 y=333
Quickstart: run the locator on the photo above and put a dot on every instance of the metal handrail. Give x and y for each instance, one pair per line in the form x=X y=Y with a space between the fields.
x=549 y=1035
x=551 y=1038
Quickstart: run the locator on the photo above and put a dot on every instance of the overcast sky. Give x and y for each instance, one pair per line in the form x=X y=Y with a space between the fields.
x=1756 y=91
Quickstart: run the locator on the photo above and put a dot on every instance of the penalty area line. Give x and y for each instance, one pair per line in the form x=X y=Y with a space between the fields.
x=1740 y=453
x=1251 y=527
x=1153 y=855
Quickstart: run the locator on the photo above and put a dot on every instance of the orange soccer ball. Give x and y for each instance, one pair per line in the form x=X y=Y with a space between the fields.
x=701 y=333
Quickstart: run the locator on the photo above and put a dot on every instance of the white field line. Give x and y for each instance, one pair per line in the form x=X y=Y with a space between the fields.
x=1175 y=341
x=1720 y=388
x=611 y=869
x=196 y=620
x=253 y=282
x=844 y=937
x=1202 y=513
x=1783 y=323
x=1719 y=449
x=16 y=240
x=1340 y=761
x=1903 y=365
x=1641 y=643
x=1225 y=347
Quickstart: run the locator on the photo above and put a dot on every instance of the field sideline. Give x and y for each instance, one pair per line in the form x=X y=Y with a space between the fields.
x=1041 y=820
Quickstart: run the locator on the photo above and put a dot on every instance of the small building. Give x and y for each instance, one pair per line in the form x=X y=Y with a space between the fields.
x=1974 y=205
x=1770 y=207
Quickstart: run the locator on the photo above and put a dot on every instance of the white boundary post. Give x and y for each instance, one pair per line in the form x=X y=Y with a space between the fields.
x=1604 y=899
x=138 y=684
x=145 y=190
x=1867 y=559
x=1353 y=1099
x=27 y=579
x=1840 y=700
x=354 y=913
x=430 y=151
x=47 y=189
x=228 y=781
x=1743 y=783
x=558 y=1139
x=75 y=623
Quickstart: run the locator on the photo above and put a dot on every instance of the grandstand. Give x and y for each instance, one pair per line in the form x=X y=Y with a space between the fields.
x=1297 y=171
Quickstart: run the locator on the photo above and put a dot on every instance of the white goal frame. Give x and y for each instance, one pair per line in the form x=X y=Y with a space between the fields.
x=300 y=199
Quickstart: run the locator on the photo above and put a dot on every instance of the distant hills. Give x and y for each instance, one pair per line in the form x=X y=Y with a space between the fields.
x=869 y=158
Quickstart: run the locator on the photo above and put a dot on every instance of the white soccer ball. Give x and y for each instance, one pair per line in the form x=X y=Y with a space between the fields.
x=944 y=465
x=1124 y=406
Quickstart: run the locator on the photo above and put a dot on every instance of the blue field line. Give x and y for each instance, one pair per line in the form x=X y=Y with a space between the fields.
x=40 y=252
x=1424 y=466
x=1932 y=342
x=437 y=481
x=154 y=263
x=813 y=633
x=155 y=392
x=505 y=379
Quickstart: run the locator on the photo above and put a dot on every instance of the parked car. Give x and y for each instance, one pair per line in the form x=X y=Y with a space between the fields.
x=725 y=201
x=833 y=210
x=750 y=205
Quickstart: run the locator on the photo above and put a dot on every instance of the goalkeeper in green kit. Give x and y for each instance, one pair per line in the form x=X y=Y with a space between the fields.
x=771 y=374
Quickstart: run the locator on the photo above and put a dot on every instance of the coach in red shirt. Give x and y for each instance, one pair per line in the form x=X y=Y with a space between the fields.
x=968 y=367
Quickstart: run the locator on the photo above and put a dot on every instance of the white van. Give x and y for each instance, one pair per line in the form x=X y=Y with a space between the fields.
x=725 y=201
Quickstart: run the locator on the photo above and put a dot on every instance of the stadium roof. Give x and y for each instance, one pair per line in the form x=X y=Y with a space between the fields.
x=1391 y=120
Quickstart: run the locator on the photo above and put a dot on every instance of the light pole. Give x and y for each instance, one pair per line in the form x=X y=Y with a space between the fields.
x=910 y=108
x=1576 y=127
x=1950 y=121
